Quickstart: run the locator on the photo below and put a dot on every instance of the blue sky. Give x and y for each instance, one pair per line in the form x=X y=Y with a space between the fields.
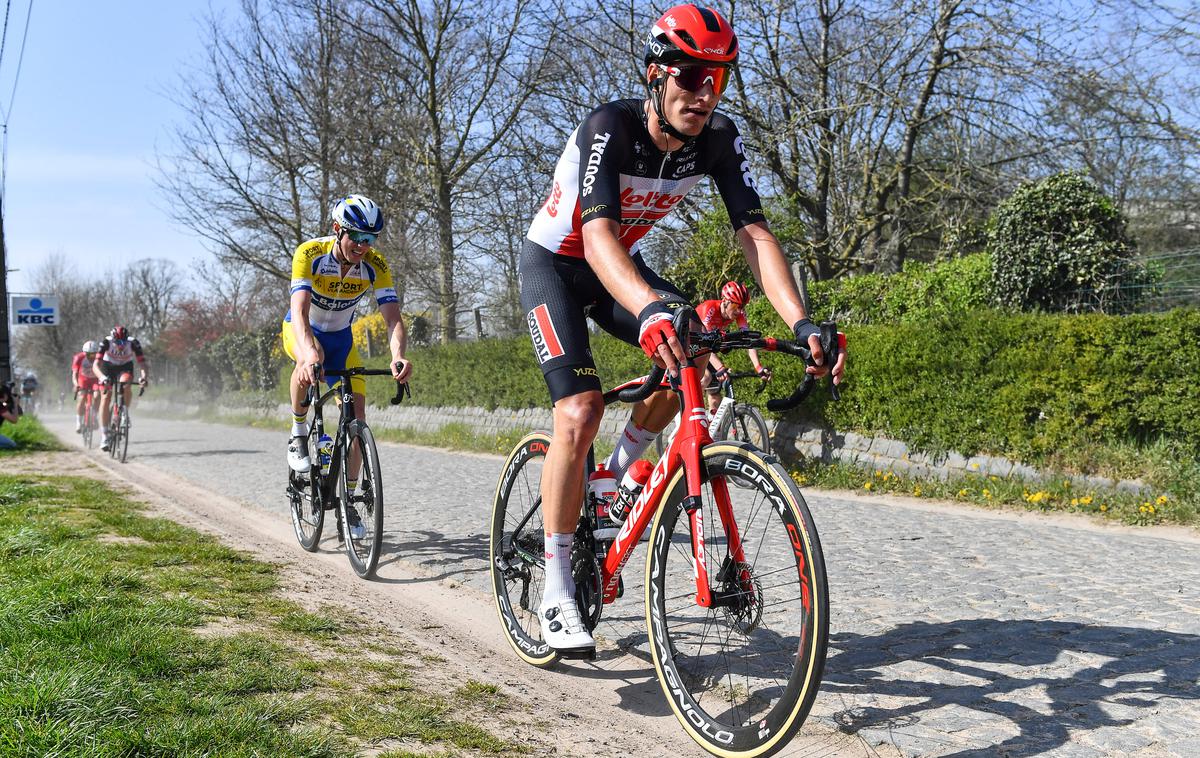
x=90 y=115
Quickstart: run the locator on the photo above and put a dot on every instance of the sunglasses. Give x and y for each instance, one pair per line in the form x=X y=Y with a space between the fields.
x=693 y=78
x=362 y=238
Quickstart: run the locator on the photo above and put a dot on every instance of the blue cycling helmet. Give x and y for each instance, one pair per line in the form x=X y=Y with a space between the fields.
x=356 y=213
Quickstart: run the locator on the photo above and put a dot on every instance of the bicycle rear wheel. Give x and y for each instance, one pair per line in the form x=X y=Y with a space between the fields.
x=86 y=432
x=741 y=675
x=367 y=504
x=750 y=426
x=517 y=547
x=305 y=501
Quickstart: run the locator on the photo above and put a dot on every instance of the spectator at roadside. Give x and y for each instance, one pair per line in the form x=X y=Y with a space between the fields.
x=10 y=411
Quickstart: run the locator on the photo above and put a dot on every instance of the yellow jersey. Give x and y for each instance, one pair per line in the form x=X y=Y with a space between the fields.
x=334 y=296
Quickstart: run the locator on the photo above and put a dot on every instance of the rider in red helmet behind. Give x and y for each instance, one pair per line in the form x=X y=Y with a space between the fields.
x=718 y=314
x=624 y=168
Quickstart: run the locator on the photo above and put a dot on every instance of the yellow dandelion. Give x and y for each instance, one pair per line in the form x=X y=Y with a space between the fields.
x=1150 y=508
x=987 y=494
x=994 y=478
x=963 y=493
x=1103 y=507
x=1141 y=509
x=866 y=485
x=1162 y=500
x=1086 y=500
x=917 y=491
x=1074 y=502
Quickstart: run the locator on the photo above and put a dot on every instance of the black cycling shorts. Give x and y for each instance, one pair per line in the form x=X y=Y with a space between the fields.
x=559 y=294
x=114 y=370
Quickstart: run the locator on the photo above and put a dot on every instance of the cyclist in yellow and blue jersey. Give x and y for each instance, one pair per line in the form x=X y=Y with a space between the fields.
x=330 y=275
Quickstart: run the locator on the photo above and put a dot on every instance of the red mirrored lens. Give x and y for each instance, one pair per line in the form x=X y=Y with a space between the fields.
x=693 y=78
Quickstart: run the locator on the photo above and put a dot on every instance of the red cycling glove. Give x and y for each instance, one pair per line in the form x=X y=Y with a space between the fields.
x=656 y=328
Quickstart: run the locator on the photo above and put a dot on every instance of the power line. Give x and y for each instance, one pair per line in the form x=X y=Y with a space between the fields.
x=4 y=34
x=20 y=59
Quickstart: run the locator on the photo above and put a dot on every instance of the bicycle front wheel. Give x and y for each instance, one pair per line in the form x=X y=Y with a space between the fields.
x=742 y=674
x=304 y=499
x=123 y=432
x=86 y=432
x=362 y=511
x=517 y=547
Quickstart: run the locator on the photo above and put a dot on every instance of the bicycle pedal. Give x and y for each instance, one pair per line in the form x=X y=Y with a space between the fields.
x=578 y=654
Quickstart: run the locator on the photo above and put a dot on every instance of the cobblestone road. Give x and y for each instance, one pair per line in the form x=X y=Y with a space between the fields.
x=953 y=633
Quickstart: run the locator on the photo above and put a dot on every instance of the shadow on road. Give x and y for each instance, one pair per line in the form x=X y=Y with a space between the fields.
x=443 y=555
x=196 y=453
x=1078 y=669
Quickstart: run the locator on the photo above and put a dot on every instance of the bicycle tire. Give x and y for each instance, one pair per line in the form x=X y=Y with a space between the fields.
x=517 y=560
x=741 y=679
x=123 y=430
x=304 y=500
x=86 y=431
x=750 y=426
x=364 y=551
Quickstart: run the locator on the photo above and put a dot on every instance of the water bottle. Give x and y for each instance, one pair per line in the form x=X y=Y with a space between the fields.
x=602 y=490
x=627 y=493
x=325 y=453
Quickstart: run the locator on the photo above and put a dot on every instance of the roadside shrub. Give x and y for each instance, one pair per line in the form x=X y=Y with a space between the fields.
x=1060 y=245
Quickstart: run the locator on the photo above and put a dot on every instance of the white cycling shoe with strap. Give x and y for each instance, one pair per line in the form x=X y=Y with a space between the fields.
x=564 y=631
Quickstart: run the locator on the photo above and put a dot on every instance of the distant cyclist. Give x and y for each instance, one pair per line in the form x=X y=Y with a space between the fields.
x=330 y=275
x=29 y=388
x=84 y=380
x=116 y=354
x=718 y=314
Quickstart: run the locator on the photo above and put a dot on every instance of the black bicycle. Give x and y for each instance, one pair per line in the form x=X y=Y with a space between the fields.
x=118 y=421
x=324 y=486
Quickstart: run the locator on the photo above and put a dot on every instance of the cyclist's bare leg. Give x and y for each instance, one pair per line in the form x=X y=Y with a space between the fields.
x=127 y=392
x=105 y=406
x=296 y=390
x=714 y=401
x=576 y=421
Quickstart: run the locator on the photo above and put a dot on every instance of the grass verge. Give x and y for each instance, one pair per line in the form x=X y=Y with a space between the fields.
x=29 y=435
x=122 y=634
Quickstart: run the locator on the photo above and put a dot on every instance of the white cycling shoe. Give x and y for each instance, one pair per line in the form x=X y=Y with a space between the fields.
x=564 y=631
x=297 y=456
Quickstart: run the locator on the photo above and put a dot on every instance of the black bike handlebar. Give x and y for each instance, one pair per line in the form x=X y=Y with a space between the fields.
x=722 y=342
x=402 y=388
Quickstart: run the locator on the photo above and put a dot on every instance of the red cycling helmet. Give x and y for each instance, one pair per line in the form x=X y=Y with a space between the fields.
x=735 y=293
x=119 y=333
x=688 y=34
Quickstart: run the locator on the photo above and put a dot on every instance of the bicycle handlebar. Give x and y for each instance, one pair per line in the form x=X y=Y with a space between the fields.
x=402 y=389
x=681 y=321
x=832 y=343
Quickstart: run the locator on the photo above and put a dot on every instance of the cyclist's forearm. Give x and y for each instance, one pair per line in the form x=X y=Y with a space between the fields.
x=306 y=341
x=772 y=272
x=397 y=334
x=754 y=361
x=610 y=261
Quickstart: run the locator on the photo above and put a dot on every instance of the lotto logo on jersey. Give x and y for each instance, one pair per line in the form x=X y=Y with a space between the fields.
x=545 y=338
x=663 y=201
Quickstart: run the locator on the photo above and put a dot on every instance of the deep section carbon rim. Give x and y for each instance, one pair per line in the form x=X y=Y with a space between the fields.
x=742 y=675
x=517 y=549
x=367 y=503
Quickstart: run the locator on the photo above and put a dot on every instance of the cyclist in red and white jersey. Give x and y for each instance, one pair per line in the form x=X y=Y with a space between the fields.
x=718 y=314
x=116 y=352
x=622 y=170
x=83 y=380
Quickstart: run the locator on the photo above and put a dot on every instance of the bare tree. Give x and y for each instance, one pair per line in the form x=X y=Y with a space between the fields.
x=468 y=69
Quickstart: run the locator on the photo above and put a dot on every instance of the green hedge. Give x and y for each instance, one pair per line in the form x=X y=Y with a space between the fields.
x=1021 y=385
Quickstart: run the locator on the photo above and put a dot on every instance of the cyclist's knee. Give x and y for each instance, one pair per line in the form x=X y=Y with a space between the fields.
x=577 y=418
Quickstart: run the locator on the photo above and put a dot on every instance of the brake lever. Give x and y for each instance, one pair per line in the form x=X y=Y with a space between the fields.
x=831 y=347
x=402 y=391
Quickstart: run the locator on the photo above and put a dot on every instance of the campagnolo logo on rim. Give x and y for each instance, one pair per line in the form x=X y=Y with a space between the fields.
x=593 y=163
x=694 y=716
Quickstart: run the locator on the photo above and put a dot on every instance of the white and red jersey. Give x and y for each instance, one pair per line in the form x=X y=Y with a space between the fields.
x=612 y=169
x=81 y=368
x=120 y=352
x=710 y=315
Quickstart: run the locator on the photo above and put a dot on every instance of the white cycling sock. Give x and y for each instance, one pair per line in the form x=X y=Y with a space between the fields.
x=633 y=442
x=300 y=429
x=78 y=419
x=560 y=585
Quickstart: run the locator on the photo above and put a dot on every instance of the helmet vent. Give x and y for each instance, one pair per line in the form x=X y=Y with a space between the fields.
x=710 y=19
x=683 y=35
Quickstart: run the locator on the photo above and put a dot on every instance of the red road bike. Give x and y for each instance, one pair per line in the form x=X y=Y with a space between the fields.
x=737 y=605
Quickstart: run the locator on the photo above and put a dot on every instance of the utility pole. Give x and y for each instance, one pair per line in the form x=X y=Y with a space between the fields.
x=5 y=343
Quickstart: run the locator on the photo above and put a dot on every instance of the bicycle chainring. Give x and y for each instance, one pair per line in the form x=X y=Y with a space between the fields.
x=585 y=569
